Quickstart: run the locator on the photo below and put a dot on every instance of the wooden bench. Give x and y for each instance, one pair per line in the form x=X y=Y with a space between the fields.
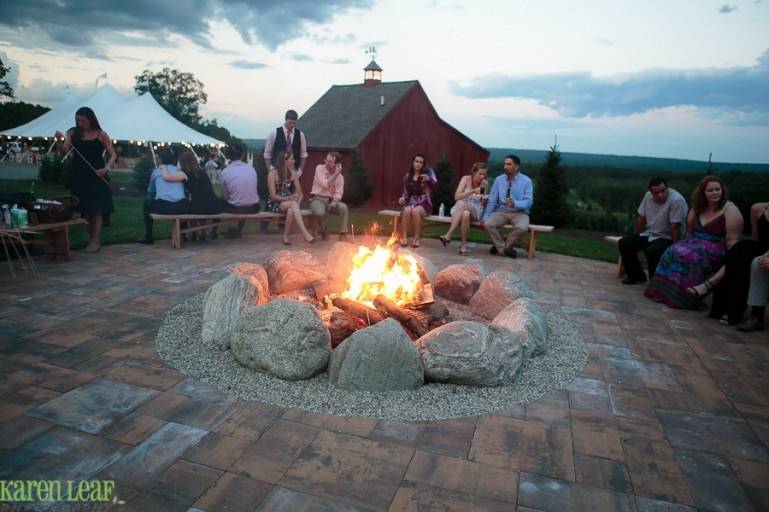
x=435 y=219
x=55 y=240
x=212 y=221
x=620 y=266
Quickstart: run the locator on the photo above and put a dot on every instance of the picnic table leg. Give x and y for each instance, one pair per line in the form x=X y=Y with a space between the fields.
x=532 y=243
x=56 y=243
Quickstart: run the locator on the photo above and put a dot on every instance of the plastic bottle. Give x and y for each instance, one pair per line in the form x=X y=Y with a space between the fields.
x=6 y=212
x=442 y=210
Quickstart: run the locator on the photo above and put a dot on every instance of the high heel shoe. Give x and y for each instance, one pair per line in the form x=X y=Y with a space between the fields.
x=404 y=242
x=694 y=291
x=415 y=243
x=445 y=241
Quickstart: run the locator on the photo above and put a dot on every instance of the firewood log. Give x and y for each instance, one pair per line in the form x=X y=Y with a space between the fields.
x=405 y=317
x=341 y=325
x=369 y=315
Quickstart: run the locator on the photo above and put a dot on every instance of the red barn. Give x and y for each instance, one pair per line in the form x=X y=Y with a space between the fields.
x=387 y=123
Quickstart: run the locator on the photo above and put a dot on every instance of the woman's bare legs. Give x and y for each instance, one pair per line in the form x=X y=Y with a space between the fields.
x=287 y=223
x=293 y=214
x=417 y=214
x=95 y=222
x=455 y=219
x=405 y=223
x=464 y=230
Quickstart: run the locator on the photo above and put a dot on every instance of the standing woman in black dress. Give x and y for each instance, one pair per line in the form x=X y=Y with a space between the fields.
x=89 y=180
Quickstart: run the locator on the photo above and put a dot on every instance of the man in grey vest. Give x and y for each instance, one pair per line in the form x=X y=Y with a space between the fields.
x=285 y=137
x=278 y=140
x=661 y=216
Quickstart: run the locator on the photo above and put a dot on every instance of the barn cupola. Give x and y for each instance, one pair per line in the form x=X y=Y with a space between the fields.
x=372 y=74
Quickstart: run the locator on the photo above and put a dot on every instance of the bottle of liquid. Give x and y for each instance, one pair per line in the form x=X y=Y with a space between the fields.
x=441 y=210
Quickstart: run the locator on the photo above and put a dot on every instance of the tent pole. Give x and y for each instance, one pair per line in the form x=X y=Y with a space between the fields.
x=152 y=151
x=52 y=145
x=193 y=152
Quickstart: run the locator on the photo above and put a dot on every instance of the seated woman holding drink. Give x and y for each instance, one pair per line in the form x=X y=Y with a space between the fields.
x=469 y=204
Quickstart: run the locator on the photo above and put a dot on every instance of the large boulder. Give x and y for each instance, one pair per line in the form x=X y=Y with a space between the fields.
x=471 y=353
x=459 y=283
x=497 y=290
x=526 y=320
x=285 y=338
x=229 y=298
x=377 y=358
x=293 y=270
x=339 y=261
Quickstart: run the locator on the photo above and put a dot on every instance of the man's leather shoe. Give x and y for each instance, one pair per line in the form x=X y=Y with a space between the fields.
x=323 y=236
x=510 y=252
x=147 y=241
x=633 y=280
x=493 y=250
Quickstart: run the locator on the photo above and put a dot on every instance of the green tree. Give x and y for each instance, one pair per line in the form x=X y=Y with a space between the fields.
x=357 y=188
x=212 y=129
x=180 y=93
x=17 y=113
x=550 y=206
x=5 y=88
x=444 y=192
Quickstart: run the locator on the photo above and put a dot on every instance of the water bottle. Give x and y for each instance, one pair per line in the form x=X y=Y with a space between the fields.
x=441 y=210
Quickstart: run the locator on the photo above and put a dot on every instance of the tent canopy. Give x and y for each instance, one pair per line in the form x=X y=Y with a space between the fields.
x=138 y=118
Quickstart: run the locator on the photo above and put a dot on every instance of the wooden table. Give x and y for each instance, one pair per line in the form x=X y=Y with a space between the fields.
x=55 y=240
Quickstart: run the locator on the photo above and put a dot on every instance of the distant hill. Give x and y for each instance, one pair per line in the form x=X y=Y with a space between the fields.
x=535 y=156
x=254 y=143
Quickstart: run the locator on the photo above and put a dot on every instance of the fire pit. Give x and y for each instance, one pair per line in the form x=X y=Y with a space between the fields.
x=388 y=328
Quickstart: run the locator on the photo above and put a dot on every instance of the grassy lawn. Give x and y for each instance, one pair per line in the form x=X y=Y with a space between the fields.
x=127 y=225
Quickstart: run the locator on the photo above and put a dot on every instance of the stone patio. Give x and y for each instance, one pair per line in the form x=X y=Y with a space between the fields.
x=671 y=412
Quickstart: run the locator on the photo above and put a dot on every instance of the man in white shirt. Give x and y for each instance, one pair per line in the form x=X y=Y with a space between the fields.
x=661 y=217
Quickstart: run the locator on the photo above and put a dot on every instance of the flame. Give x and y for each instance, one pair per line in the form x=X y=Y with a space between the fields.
x=382 y=270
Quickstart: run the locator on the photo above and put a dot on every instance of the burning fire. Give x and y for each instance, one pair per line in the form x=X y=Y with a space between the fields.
x=384 y=271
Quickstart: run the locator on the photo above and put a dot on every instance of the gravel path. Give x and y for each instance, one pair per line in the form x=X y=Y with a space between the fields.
x=179 y=343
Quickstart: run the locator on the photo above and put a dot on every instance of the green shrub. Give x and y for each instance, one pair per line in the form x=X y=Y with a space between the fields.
x=357 y=188
x=444 y=192
x=55 y=169
x=142 y=172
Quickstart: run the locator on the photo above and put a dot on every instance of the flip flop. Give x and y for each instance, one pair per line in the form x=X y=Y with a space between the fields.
x=445 y=241
x=463 y=252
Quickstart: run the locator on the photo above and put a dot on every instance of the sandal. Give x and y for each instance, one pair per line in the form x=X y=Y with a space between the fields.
x=463 y=251
x=696 y=292
x=404 y=242
x=445 y=241
x=415 y=243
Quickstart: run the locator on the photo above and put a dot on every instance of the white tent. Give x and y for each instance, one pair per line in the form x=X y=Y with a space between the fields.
x=138 y=118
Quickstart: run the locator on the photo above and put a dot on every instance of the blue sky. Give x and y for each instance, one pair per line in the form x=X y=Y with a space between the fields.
x=673 y=79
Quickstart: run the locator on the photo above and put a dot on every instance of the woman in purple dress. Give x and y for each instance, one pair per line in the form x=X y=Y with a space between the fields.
x=418 y=184
x=689 y=269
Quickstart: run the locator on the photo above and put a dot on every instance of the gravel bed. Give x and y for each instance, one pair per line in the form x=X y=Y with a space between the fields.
x=179 y=343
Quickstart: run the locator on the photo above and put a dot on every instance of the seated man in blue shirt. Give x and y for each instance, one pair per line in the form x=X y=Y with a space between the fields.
x=509 y=202
x=165 y=197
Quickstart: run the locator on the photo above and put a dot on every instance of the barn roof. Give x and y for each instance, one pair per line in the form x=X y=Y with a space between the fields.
x=343 y=116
